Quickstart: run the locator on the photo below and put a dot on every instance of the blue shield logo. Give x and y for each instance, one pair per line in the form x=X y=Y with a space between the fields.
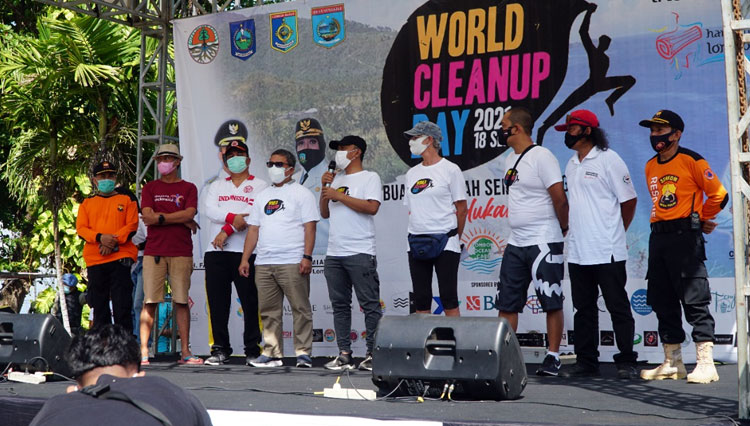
x=328 y=25
x=243 y=38
x=284 y=30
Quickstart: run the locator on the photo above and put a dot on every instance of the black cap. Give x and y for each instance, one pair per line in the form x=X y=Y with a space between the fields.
x=232 y=130
x=667 y=118
x=350 y=140
x=237 y=146
x=104 y=167
x=309 y=128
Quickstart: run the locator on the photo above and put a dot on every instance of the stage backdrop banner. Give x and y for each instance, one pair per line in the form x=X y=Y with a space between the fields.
x=375 y=68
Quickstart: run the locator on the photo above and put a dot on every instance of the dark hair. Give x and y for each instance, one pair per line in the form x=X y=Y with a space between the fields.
x=286 y=154
x=599 y=138
x=103 y=346
x=522 y=117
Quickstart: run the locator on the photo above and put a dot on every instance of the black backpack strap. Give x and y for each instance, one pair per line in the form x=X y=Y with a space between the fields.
x=104 y=392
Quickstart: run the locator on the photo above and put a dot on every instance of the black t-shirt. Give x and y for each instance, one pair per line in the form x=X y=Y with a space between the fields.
x=78 y=409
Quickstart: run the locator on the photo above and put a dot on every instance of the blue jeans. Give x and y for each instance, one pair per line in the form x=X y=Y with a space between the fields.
x=359 y=272
x=136 y=274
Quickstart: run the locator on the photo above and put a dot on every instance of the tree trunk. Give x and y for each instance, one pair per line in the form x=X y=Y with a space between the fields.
x=58 y=267
x=13 y=293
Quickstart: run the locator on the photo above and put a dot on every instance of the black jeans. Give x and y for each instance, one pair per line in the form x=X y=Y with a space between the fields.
x=585 y=281
x=221 y=271
x=111 y=280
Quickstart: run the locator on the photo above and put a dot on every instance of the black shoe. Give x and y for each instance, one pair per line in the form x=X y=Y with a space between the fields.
x=341 y=362
x=366 y=364
x=627 y=372
x=579 y=370
x=550 y=366
x=217 y=358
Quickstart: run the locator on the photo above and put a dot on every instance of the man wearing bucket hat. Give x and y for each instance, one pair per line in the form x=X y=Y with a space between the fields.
x=310 y=147
x=602 y=203
x=107 y=221
x=168 y=207
x=677 y=180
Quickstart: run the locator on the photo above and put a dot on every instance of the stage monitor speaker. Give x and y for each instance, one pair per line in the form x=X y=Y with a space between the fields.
x=34 y=342
x=421 y=354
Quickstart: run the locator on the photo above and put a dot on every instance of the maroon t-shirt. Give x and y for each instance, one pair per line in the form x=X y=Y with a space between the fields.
x=162 y=197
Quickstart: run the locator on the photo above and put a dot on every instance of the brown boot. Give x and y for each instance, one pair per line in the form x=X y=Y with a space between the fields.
x=705 y=370
x=671 y=368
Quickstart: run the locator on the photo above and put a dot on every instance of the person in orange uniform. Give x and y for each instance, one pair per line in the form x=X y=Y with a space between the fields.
x=677 y=180
x=107 y=221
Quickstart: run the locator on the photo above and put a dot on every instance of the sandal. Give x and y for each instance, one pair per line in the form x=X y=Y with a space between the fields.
x=191 y=360
x=144 y=360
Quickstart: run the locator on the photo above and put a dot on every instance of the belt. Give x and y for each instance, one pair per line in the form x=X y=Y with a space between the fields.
x=675 y=225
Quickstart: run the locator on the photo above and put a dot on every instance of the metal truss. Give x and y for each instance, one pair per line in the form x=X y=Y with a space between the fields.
x=735 y=30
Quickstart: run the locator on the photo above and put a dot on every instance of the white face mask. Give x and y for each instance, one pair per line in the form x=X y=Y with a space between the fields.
x=277 y=174
x=416 y=146
x=342 y=161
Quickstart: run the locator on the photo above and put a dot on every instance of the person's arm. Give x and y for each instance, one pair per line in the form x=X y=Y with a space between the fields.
x=584 y=30
x=716 y=195
x=325 y=192
x=461 y=211
x=358 y=205
x=627 y=211
x=560 y=203
x=251 y=240
x=305 y=265
x=131 y=223
x=211 y=207
x=83 y=228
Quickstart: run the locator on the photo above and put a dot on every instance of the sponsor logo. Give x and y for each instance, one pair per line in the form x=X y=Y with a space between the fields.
x=532 y=338
x=420 y=185
x=190 y=302
x=287 y=310
x=637 y=339
x=532 y=302
x=626 y=179
x=239 y=310
x=401 y=302
x=203 y=44
x=638 y=302
x=273 y=206
x=724 y=339
x=364 y=334
x=243 y=38
x=284 y=31
x=353 y=335
x=473 y=303
x=492 y=284
x=343 y=190
x=607 y=338
x=328 y=308
x=328 y=25
x=723 y=303
x=485 y=251
x=317 y=335
x=286 y=334
x=329 y=335
x=480 y=303
x=650 y=338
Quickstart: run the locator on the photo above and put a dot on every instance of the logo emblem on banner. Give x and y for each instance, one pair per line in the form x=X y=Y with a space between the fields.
x=639 y=303
x=243 y=38
x=328 y=25
x=484 y=251
x=284 y=30
x=203 y=44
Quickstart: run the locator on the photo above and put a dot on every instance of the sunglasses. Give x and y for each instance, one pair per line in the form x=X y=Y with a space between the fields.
x=279 y=164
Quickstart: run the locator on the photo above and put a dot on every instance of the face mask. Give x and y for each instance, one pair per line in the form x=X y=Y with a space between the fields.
x=66 y=289
x=277 y=174
x=661 y=142
x=310 y=158
x=416 y=146
x=237 y=164
x=342 y=161
x=166 y=167
x=106 y=186
x=503 y=136
x=571 y=140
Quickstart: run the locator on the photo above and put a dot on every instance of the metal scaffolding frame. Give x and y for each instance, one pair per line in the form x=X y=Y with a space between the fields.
x=736 y=65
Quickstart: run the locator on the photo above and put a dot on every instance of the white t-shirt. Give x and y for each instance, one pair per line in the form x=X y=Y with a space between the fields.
x=596 y=187
x=221 y=198
x=312 y=182
x=431 y=192
x=352 y=232
x=281 y=213
x=531 y=215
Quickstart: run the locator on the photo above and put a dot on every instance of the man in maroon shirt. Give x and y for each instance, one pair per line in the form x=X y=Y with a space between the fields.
x=168 y=207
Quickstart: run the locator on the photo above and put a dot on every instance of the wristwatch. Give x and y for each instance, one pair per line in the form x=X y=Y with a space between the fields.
x=161 y=219
x=307 y=256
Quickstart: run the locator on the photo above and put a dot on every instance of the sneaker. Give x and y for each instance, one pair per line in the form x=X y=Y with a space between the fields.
x=249 y=359
x=341 y=362
x=217 y=358
x=627 y=372
x=266 y=361
x=304 y=361
x=579 y=370
x=550 y=366
x=366 y=364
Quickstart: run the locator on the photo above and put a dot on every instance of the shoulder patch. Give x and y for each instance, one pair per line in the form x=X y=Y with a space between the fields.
x=694 y=155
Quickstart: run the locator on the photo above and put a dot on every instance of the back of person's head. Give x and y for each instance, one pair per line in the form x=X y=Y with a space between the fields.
x=522 y=117
x=103 y=346
x=599 y=138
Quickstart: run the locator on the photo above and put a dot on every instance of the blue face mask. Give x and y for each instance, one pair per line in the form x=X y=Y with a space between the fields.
x=106 y=186
x=237 y=164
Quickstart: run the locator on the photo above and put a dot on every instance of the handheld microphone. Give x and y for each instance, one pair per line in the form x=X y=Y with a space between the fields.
x=331 y=170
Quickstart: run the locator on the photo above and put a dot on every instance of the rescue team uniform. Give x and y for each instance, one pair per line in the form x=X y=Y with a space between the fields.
x=350 y=262
x=169 y=248
x=597 y=252
x=280 y=213
x=223 y=201
x=535 y=248
x=109 y=275
x=676 y=272
x=430 y=196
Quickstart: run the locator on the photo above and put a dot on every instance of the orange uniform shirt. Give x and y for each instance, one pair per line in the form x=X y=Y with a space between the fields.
x=674 y=184
x=116 y=214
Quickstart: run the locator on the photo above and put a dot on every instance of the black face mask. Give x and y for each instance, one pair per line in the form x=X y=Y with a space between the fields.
x=661 y=142
x=310 y=158
x=503 y=136
x=571 y=140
